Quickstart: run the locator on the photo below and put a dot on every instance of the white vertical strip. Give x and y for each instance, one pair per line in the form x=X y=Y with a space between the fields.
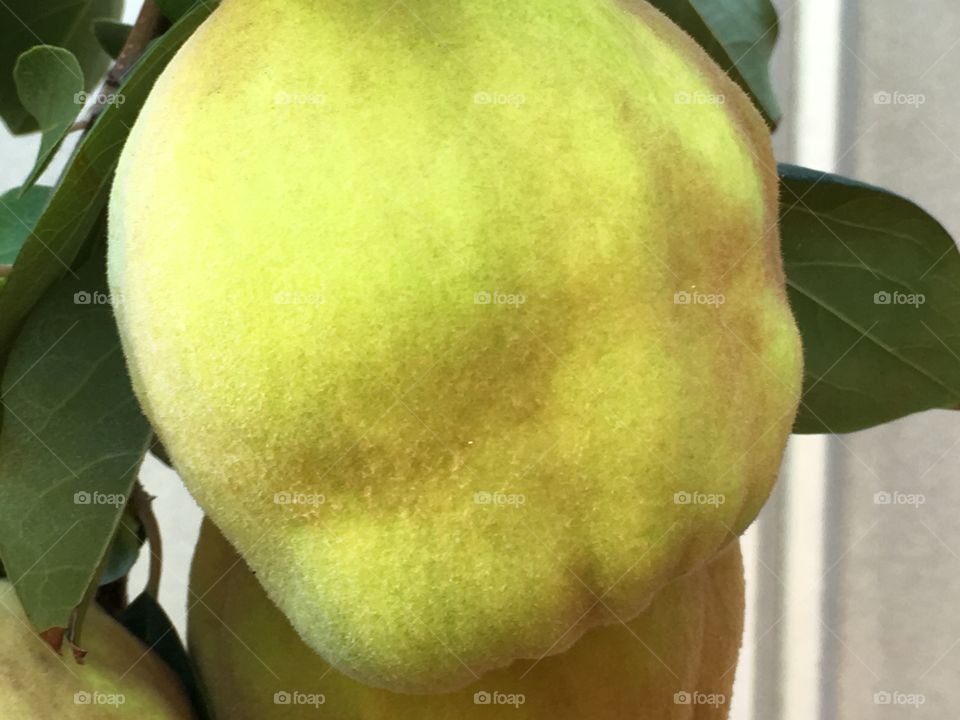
x=802 y=650
x=819 y=51
x=820 y=47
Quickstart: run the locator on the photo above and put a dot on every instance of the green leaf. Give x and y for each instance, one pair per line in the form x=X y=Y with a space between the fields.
x=19 y=211
x=176 y=9
x=72 y=441
x=50 y=85
x=874 y=283
x=79 y=198
x=740 y=36
x=147 y=620
x=64 y=23
x=111 y=36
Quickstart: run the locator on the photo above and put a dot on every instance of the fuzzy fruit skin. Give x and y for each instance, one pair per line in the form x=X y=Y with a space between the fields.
x=306 y=216
x=687 y=641
x=36 y=683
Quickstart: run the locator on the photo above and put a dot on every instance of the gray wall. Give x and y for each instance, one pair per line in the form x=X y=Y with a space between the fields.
x=891 y=598
x=890 y=579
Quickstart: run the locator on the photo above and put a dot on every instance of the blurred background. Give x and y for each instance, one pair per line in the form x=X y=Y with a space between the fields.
x=851 y=589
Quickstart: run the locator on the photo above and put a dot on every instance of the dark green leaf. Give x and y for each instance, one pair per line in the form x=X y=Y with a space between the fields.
x=147 y=620
x=111 y=36
x=82 y=193
x=740 y=36
x=64 y=23
x=72 y=441
x=50 y=85
x=176 y=9
x=124 y=550
x=18 y=216
x=874 y=282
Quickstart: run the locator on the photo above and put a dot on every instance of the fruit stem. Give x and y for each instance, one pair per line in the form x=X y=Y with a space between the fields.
x=150 y=23
x=142 y=505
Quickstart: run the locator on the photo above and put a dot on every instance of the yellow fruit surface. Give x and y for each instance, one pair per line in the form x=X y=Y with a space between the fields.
x=674 y=661
x=456 y=316
x=119 y=677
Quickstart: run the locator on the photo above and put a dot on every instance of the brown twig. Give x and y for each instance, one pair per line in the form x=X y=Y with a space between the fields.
x=141 y=503
x=149 y=24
